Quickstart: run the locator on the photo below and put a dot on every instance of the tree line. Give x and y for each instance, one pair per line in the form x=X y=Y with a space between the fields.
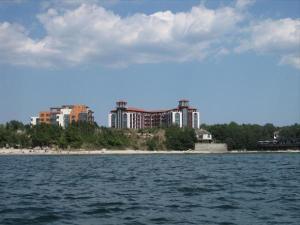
x=246 y=136
x=15 y=134
x=77 y=135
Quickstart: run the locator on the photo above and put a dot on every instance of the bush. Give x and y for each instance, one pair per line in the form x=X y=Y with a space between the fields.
x=180 y=139
x=153 y=143
x=244 y=136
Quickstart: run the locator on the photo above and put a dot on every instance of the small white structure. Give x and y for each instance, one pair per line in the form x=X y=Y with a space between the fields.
x=276 y=135
x=203 y=136
x=34 y=120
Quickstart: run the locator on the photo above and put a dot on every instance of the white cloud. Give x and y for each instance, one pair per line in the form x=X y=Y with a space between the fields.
x=243 y=4
x=17 y=48
x=281 y=37
x=293 y=60
x=92 y=34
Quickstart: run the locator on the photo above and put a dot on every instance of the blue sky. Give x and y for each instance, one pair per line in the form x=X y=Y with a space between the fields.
x=235 y=60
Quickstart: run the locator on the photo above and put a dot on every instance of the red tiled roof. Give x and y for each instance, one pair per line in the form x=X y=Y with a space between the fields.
x=146 y=111
x=133 y=109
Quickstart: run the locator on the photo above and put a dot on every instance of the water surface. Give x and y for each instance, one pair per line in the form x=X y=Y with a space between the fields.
x=151 y=189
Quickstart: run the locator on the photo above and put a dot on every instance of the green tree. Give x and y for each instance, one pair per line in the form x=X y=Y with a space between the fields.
x=180 y=138
x=153 y=143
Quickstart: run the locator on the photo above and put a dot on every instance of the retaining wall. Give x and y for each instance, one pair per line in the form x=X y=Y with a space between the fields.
x=211 y=147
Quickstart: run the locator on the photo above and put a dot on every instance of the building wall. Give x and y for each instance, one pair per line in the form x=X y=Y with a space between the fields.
x=66 y=114
x=139 y=120
x=183 y=116
x=196 y=120
x=81 y=113
x=60 y=120
x=128 y=120
x=76 y=110
x=34 y=120
x=207 y=137
x=64 y=117
x=44 y=117
x=109 y=120
x=211 y=147
x=176 y=118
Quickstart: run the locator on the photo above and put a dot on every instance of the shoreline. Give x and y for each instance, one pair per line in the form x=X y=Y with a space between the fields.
x=125 y=152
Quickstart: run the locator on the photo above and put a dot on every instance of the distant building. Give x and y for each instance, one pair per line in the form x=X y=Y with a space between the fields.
x=203 y=136
x=34 y=120
x=135 y=118
x=64 y=115
x=44 y=117
x=276 y=135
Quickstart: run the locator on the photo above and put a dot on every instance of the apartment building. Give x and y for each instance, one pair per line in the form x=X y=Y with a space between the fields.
x=44 y=117
x=134 y=118
x=64 y=115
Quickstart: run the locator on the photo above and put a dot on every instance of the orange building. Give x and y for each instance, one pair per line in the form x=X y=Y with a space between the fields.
x=77 y=113
x=66 y=114
x=44 y=117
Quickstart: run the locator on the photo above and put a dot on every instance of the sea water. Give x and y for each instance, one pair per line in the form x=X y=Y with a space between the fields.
x=151 y=189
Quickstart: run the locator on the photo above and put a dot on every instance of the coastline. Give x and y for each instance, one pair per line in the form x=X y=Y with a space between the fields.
x=11 y=151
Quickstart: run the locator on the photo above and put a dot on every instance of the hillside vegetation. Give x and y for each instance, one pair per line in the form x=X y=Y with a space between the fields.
x=246 y=136
x=15 y=134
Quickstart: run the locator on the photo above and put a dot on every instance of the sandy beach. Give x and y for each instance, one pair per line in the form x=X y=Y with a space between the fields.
x=11 y=151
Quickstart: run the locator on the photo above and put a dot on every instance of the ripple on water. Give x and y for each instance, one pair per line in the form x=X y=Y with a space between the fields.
x=104 y=208
x=224 y=207
x=154 y=189
x=160 y=220
x=191 y=191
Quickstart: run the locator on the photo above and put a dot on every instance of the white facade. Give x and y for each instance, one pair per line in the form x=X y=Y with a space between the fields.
x=276 y=135
x=196 y=123
x=109 y=120
x=177 y=118
x=128 y=119
x=203 y=135
x=65 y=111
x=134 y=120
x=206 y=137
x=34 y=120
x=61 y=117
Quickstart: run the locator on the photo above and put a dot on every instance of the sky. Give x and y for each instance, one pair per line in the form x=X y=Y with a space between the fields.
x=234 y=60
